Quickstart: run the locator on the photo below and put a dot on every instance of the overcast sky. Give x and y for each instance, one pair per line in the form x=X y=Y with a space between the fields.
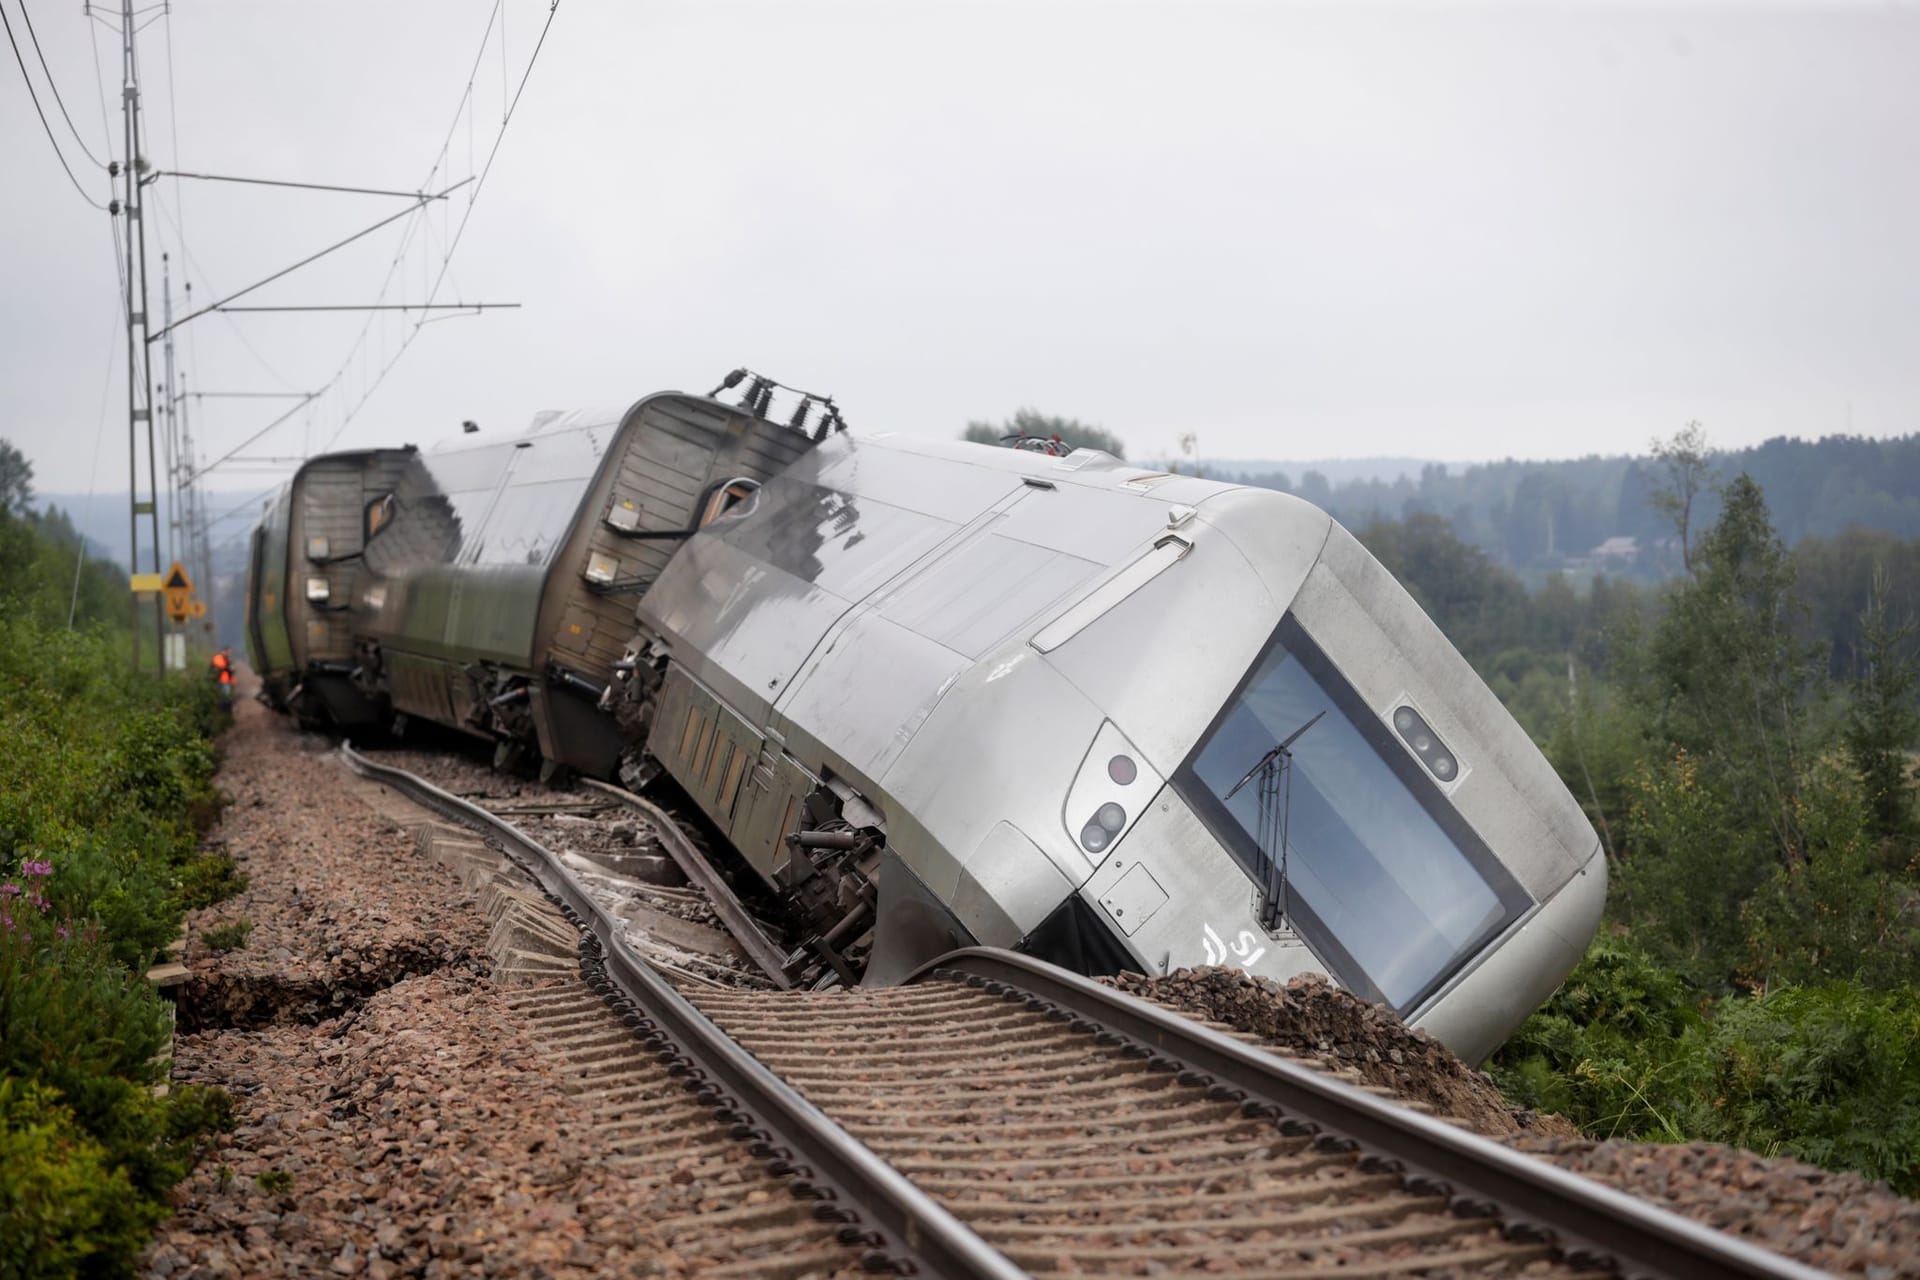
x=1301 y=232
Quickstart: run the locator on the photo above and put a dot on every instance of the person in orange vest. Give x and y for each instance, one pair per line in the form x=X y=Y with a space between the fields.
x=223 y=672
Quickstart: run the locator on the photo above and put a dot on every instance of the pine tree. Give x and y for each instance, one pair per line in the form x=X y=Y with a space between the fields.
x=1881 y=721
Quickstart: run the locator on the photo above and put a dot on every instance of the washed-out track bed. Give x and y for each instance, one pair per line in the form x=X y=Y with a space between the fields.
x=998 y=1117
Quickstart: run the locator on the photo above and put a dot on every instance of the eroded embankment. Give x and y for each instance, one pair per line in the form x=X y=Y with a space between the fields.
x=397 y=1110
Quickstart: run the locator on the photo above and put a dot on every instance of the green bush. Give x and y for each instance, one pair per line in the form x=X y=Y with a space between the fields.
x=1830 y=1074
x=1626 y=1048
x=105 y=785
x=227 y=937
x=1603 y=1050
x=208 y=879
x=65 y=1207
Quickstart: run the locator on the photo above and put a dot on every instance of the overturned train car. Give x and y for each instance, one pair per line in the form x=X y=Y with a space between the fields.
x=937 y=694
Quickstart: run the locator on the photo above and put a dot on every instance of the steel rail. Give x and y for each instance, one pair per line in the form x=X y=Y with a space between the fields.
x=733 y=913
x=903 y=1227
x=1593 y=1226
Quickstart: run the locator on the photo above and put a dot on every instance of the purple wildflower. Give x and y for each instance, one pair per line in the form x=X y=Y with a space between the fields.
x=36 y=868
x=9 y=890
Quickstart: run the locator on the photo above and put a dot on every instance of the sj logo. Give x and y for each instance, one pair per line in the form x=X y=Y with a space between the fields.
x=1245 y=949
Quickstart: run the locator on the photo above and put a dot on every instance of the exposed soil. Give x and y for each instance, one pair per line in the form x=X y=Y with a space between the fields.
x=1839 y=1222
x=1317 y=1020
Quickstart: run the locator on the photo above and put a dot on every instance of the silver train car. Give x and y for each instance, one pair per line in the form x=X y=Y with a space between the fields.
x=940 y=693
x=937 y=694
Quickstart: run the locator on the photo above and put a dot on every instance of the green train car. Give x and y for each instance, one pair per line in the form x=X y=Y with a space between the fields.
x=502 y=579
x=305 y=573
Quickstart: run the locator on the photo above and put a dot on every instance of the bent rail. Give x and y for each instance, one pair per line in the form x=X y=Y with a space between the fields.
x=904 y=1228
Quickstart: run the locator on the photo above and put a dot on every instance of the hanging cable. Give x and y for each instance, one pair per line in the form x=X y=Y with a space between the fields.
x=58 y=101
x=446 y=260
x=47 y=128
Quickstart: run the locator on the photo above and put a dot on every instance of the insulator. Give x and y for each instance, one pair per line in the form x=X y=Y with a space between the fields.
x=799 y=420
x=727 y=383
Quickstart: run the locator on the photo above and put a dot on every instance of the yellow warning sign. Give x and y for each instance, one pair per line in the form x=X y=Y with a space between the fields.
x=179 y=589
x=144 y=582
x=198 y=608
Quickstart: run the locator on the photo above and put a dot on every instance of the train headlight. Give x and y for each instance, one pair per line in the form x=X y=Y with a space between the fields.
x=318 y=548
x=318 y=590
x=1113 y=784
x=1108 y=821
x=1426 y=744
x=376 y=597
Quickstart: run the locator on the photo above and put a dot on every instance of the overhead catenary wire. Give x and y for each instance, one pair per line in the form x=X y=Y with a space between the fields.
x=52 y=141
x=58 y=101
x=310 y=258
x=99 y=435
x=446 y=260
x=416 y=219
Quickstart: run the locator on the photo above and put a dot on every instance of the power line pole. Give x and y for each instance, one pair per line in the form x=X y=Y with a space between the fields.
x=199 y=555
x=139 y=364
x=168 y=410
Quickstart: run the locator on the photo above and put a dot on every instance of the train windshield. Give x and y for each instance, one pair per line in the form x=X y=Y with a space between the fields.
x=1384 y=879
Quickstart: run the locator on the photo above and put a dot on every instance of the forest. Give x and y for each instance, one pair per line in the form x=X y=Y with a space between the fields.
x=1545 y=517
x=1741 y=737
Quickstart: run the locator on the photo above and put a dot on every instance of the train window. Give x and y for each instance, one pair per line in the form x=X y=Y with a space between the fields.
x=735 y=498
x=378 y=515
x=1392 y=888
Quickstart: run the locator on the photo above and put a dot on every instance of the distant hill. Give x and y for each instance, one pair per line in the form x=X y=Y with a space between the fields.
x=101 y=519
x=1592 y=513
x=1337 y=470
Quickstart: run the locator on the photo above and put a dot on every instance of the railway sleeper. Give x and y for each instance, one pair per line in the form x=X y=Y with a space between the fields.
x=1203 y=1199
x=1373 y=1211
x=1049 y=1181
x=1474 y=1260
x=1062 y=1137
x=1303 y=1248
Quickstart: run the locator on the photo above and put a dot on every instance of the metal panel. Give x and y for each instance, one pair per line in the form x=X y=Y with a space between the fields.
x=704 y=745
x=980 y=593
x=769 y=808
x=863 y=720
x=1387 y=648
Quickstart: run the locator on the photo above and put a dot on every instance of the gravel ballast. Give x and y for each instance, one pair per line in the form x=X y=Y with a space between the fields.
x=397 y=1111
x=400 y=1110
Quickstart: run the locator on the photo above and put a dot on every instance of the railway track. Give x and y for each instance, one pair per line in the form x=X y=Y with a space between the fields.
x=996 y=1117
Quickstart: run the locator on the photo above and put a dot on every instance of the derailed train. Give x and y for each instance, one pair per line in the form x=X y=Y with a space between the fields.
x=938 y=693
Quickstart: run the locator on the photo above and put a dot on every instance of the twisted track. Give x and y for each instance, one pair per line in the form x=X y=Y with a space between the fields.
x=997 y=1116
